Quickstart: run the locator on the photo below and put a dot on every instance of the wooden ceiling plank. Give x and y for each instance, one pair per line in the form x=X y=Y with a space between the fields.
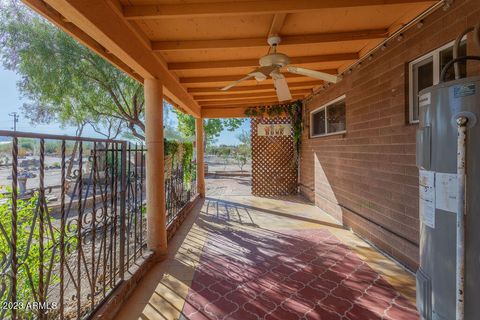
x=221 y=79
x=216 y=97
x=236 y=112
x=191 y=10
x=246 y=101
x=369 y=34
x=198 y=65
x=259 y=87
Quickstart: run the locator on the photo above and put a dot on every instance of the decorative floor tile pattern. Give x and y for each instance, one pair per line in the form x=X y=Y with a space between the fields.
x=297 y=274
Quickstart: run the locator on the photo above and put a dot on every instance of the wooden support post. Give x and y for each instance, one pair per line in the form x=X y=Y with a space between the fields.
x=156 y=214
x=200 y=157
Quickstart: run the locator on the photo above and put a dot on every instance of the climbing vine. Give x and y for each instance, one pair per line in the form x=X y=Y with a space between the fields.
x=180 y=154
x=293 y=110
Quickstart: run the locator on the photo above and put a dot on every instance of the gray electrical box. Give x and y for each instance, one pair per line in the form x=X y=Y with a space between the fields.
x=437 y=161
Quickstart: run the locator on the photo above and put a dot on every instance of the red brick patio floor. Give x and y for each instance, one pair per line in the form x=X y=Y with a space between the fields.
x=303 y=274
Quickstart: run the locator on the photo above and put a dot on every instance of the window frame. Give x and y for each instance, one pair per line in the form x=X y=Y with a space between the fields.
x=325 y=107
x=435 y=55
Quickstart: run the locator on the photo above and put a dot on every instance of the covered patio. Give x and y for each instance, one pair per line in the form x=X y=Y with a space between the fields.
x=344 y=243
x=243 y=257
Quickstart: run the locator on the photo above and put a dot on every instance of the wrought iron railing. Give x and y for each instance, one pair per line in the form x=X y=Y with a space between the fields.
x=72 y=222
x=180 y=188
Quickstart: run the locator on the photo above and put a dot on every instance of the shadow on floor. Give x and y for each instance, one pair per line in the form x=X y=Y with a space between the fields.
x=233 y=212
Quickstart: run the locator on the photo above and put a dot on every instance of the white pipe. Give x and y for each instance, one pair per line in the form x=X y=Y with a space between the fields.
x=461 y=184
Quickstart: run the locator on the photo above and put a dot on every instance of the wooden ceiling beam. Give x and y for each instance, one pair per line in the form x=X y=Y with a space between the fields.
x=199 y=65
x=234 y=96
x=272 y=100
x=236 y=112
x=191 y=10
x=222 y=79
x=369 y=34
x=259 y=87
x=277 y=23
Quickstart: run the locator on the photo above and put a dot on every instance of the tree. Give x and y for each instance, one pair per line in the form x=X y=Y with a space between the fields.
x=65 y=81
x=243 y=151
x=225 y=154
x=211 y=127
x=241 y=159
x=244 y=138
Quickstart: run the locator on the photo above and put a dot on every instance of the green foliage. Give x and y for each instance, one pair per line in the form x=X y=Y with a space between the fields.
x=6 y=148
x=52 y=147
x=188 y=168
x=293 y=110
x=211 y=127
x=27 y=145
x=28 y=251
x=244 y=138
x=170 y=147
x=65 y=81
x=182 y=155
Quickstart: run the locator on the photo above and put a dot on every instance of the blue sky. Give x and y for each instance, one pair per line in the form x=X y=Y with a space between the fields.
x=11 y=101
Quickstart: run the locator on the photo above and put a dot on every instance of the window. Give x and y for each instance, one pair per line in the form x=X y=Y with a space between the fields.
x=328 y=119
x=425 y=72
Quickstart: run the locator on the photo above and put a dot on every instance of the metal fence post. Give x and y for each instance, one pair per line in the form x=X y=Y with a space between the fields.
x=14 y=225
x=123 y=199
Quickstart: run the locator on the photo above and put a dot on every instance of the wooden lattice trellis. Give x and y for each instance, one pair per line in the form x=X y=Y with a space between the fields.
x=274 y=167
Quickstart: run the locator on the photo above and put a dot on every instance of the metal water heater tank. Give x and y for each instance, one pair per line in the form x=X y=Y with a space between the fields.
x=437 y=147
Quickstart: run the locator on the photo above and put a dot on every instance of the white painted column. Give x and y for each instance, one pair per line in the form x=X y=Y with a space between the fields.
x=200 y=156
x=156 y=214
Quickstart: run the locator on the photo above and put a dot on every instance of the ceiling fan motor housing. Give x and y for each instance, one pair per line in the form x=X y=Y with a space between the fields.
x=274 y=59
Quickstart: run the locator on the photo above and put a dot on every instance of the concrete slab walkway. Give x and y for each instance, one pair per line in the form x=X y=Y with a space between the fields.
x=241 y=257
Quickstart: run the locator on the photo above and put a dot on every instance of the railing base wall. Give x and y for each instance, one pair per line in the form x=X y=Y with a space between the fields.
x=120 y=296
x=173 y=226
x=123 y=292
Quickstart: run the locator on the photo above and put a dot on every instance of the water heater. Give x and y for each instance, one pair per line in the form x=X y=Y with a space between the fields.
x=448 y=158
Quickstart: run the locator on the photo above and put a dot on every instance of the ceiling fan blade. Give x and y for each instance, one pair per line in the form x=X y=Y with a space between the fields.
x=233 y=84
x=281 y=86
x=314 y=74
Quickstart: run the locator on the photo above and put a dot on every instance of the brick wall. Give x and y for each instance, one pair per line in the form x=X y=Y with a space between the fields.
x=367 y=178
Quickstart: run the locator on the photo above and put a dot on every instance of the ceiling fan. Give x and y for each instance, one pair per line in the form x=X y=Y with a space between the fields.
x=271 y=64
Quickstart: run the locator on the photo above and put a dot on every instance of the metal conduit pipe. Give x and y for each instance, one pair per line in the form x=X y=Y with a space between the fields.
x=456 y=46
x=462 y=122
x=461 y=185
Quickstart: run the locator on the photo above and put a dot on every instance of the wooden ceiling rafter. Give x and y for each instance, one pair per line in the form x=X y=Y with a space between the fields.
x=208 y=9
x=258 y=87
x=272 y=100
x=198 y=65
x=219 y=112
x=277 y=23
x=234 y=96
x=287 y=40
